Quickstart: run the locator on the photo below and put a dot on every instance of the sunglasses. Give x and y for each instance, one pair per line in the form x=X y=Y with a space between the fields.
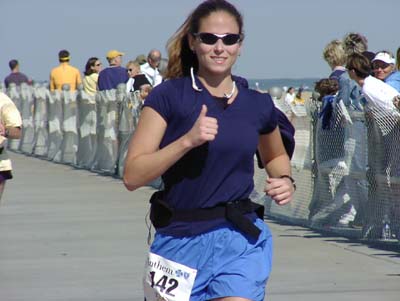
x=97 y=65
x=211 y=38
x=382 y=65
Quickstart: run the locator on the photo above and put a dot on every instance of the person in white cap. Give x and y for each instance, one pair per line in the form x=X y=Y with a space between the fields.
x=384 y=69
x=114 y=74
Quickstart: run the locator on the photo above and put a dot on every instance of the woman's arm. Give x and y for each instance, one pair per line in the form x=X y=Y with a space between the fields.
x=276 y=163
x=145 y=161
x=10 y=132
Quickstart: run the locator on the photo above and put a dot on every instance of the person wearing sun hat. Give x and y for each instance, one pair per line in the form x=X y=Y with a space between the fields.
x=383 y=66
x=114 y=74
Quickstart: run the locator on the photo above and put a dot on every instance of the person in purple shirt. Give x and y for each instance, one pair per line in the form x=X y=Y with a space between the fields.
x=112 y=76
x=15 y=76
x=200 y=130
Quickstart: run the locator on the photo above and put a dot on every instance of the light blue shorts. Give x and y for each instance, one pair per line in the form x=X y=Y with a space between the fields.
x=227 y=263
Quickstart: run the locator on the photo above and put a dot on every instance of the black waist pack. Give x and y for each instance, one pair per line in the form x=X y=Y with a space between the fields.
x=161 y=214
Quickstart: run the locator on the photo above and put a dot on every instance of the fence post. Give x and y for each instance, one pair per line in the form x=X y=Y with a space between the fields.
x=28 y=132
x=55 y=134
x=87 y=138
x=69 y=146
x=14 y=94
x=40 y=145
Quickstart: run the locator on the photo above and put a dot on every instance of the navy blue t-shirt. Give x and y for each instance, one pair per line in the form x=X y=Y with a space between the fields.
x=217 y=171
x=111 y=77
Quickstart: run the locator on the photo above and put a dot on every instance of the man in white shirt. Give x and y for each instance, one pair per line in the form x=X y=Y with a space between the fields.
x=150 y=69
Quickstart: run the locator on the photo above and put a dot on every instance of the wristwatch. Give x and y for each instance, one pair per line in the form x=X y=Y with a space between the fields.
x=291 y=180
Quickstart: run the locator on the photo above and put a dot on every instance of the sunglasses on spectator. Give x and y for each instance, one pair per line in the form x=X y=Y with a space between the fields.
x=376 y=65
x=211 y=38
x=97 y=65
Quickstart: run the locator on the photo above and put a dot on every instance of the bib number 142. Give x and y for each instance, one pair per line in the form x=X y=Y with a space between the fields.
x=167 y=280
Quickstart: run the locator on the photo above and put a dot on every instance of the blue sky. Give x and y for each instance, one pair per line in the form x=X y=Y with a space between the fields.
x=284 y=38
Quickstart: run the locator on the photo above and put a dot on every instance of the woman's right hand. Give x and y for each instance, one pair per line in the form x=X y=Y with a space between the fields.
x=205 y=129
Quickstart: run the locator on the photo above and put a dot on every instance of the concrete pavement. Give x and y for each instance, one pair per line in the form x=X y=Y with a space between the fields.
x=69 y=234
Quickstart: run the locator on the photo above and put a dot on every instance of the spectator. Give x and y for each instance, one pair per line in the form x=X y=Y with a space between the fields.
x=133 y=68
x=112 y=76
x=352 y=132
x=355 y=42
x=150 y=69
x=15 y=76
x=384 y=116
x=141 y=59
x=298 y=98
x=384 y=69
x=378 y=93
x=335 y=55
x=162 y=67
x=92 y=70
x=142 y=85
x=289 y=97
x=64 y=74
x=10 y=128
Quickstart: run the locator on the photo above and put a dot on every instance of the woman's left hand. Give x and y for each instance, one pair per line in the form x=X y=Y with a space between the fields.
x=280 y=190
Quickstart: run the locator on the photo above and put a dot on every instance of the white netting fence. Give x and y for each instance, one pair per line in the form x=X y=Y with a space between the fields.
x=346 y=166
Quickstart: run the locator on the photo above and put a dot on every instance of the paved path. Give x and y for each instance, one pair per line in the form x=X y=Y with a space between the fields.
x=69 y=234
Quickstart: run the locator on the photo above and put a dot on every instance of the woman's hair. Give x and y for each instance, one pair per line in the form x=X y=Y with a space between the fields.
x=134 y=63
x=326 y=86
x=355 y=43
x=360 y=64
x=334 y=54
x=181 y=57
x=90 y=63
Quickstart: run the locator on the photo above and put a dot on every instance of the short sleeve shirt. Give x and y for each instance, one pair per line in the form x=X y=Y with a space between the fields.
x=111 y=77
x=10 y=117
x=17 y=78
x=379 y=94
x=221 y=170
x=64 y=74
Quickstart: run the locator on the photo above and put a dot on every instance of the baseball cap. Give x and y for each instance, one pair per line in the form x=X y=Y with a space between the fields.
x=384 y=57
x=114 y=53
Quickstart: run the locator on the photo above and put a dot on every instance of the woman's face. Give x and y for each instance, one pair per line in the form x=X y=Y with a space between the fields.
x=133 y=70
x=382 y=69
x=96 y=67
x=218 y=58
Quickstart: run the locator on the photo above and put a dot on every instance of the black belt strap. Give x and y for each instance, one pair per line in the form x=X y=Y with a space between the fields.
x=162 y=214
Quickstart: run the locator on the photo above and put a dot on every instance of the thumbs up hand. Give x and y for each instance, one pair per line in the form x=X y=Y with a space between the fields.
x=204 y=129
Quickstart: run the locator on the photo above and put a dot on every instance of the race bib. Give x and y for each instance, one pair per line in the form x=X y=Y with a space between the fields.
x=166 y=280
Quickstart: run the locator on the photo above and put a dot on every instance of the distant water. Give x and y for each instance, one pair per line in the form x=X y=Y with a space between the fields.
x=265 y=84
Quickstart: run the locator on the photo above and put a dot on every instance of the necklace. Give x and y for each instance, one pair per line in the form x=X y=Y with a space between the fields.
x=232 y=92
